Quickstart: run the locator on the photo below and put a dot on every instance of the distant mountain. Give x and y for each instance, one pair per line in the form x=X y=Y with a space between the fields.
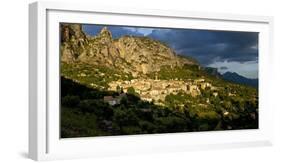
x=236 y=78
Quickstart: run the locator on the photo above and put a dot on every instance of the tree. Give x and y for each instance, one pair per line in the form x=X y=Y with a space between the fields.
x=129 y=130
x=124 y=100
x=131 y=90
x=70 y=101
x=118 y=88
x=98 y=107
x=125 y=117
x=147 y=126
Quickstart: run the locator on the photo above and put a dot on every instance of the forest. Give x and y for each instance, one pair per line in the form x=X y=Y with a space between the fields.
x=85 y=113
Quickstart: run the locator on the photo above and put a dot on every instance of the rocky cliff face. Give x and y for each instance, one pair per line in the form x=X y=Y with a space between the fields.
x=135 y=55
x=73 y=42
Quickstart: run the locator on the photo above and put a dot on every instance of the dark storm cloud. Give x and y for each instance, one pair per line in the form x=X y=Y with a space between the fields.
x=204 y=45
x=210 y=46
x=223 y=68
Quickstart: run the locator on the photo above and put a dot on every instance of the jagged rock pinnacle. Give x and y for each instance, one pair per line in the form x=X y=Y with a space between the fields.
x=105 y=34
x=104 y=29
x=136 y=55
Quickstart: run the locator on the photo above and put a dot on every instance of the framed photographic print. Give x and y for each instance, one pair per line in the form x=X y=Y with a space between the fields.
x=108 y=81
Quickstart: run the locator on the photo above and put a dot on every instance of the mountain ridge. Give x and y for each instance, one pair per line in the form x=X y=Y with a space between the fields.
x=134 y=54
x=239 y=79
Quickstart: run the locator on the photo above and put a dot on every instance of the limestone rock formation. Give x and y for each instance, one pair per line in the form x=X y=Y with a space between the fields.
x=73 y=41
x=131 y=54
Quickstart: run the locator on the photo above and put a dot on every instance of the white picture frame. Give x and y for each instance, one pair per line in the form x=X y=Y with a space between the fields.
x=44 y=140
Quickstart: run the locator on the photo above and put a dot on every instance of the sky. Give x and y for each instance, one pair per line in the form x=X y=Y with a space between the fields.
x=226 y=50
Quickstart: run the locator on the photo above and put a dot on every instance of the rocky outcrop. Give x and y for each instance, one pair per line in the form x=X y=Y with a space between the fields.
x=69 y=31
x=73 y=42
x=131 y=54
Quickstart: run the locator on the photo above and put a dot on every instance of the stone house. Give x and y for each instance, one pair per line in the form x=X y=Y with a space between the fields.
x=193 y=90
x=114 y=100
x=215 y=94
x=111 y=100
x=146 y=98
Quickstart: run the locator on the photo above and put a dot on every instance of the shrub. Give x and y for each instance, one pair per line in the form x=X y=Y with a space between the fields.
x=131 y=130
x=147 y=126
x=70 y=101
x=98 y=107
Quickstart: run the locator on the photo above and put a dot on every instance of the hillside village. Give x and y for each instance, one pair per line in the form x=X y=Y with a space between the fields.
x=156 y=90
x=138 y=85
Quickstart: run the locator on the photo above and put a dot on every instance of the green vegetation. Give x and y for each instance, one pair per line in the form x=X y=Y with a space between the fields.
x=85 y=113
x=92 y=75
x=178 y=73
x=184 y=98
